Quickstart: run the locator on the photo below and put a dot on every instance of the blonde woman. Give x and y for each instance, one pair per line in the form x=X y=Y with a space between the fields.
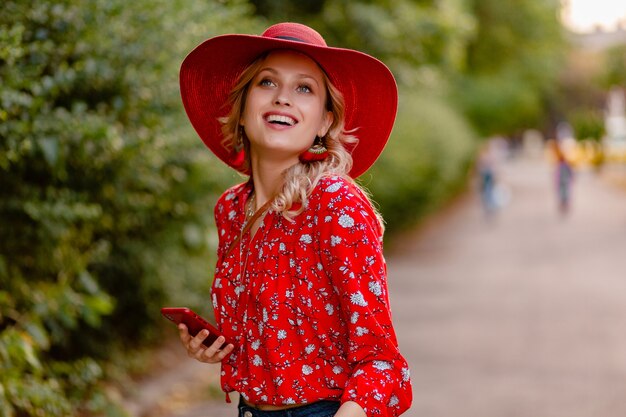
x=300 y=284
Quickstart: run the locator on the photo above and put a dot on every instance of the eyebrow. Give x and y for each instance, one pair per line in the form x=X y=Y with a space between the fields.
x=301 y=75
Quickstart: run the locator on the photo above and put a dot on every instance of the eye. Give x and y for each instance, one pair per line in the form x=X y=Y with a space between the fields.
x=304 y=88
x=266 y=82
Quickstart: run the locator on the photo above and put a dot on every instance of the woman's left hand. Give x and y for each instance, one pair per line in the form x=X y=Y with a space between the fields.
x=198 y=351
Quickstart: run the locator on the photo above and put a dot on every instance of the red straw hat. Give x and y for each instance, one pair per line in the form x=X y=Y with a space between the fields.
x=210 y=71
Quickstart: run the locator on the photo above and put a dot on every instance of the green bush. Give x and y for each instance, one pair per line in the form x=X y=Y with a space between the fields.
x=613 y=72
x=105 y=201
x=588 y=124
x=500 y=103
x=425 y=162
x=513 y=62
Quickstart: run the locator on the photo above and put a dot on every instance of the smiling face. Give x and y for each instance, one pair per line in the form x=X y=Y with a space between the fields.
x=286 y=107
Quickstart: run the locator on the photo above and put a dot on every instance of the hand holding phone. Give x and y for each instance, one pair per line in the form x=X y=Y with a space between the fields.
x=194 y=322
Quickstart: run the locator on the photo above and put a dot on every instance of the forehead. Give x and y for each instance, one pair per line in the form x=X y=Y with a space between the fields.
x=285 y=59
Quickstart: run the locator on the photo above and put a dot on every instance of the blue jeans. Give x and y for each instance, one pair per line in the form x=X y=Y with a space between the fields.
x=316 y=409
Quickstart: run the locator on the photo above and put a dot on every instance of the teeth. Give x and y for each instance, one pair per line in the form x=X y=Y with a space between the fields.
x=281 y=119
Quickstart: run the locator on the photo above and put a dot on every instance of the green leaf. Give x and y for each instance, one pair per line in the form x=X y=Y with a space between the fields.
x=6 y=409
x=39 y=335
x=50 y=149
x=194 y=238
x=87 y=282
x=29 y=354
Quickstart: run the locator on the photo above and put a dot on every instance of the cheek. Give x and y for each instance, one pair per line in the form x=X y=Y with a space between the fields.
x=316 y=113
x=253 y=101
x=248 y=114
x=245 y=117
x=322 y=112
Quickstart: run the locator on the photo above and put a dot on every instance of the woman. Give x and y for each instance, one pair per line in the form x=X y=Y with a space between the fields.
x=300 y=284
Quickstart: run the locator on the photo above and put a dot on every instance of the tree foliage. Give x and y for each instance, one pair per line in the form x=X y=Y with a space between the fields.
x=100 y=191
x=285 y=10
x=512 y=64
x=614 y=73
x=426 y=161
x=588 y=125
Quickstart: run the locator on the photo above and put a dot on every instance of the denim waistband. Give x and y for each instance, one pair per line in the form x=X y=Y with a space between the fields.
x=323 y=408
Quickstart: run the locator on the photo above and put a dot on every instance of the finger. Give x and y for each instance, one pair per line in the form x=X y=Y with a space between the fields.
x=203 y=356
x=215 y=355
x=215 y=347
x=184 y=335
x=196 y=342
x=224 y=352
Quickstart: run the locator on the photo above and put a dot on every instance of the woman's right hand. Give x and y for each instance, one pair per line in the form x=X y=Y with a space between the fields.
x=195 y=348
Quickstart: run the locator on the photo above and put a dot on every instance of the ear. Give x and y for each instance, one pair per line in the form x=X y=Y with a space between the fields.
x=327 y=121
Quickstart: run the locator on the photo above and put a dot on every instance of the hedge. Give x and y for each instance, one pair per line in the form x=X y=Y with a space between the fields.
x=425 y=163
x=104 y=198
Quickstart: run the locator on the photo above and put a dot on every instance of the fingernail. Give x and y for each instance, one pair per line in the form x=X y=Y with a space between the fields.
x=204 y=333
x=221 y=339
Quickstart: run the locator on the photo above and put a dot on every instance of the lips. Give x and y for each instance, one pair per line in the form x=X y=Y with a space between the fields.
x=280 y=119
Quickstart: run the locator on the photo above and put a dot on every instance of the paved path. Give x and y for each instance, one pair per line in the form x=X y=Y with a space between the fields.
x=524 y=316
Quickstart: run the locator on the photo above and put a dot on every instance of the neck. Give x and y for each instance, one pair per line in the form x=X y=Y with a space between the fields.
x=267 y=178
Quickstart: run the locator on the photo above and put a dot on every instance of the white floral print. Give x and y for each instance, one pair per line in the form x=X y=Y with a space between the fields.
x=309 y=318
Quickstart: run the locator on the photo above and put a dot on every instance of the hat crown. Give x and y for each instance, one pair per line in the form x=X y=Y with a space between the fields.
x=294 y=32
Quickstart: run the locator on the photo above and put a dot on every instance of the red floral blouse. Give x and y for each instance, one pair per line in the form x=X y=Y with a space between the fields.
x=310 y=316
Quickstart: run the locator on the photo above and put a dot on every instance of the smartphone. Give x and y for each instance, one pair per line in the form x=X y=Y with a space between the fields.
x=193 y=321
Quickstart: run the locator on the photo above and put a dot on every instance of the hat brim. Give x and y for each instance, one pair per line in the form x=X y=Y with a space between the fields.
x=210 y=71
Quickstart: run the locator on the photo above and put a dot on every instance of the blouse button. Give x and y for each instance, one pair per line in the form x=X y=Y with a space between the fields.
x=247 y=414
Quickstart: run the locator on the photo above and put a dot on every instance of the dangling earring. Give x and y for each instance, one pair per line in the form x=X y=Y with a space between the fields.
x=317 y=152
x=237 y=156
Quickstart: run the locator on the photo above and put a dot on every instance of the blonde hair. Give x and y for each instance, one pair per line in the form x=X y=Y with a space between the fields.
x=302 y=178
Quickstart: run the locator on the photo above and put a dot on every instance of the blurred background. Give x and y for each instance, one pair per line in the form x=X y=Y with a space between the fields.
x=503 y=187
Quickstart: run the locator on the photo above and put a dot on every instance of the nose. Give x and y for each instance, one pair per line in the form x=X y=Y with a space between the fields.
x=282 y=97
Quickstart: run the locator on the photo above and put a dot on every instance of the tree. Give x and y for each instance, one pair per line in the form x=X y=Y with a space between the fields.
x=285 y=9
x=615 y=67
x=512 y=64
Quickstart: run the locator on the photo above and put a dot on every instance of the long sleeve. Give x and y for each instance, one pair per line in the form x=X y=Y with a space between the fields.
x=351 y=251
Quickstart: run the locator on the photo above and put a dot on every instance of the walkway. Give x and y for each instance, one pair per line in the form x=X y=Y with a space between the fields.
x=523 y=316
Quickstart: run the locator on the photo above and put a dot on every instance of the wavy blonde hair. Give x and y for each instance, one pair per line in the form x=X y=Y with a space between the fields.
x=301 y=178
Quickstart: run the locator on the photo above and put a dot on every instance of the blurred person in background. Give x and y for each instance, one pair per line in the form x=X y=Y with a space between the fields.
x=300 y=291
x=564 y=178
x=494 y=193
x=487 y=180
